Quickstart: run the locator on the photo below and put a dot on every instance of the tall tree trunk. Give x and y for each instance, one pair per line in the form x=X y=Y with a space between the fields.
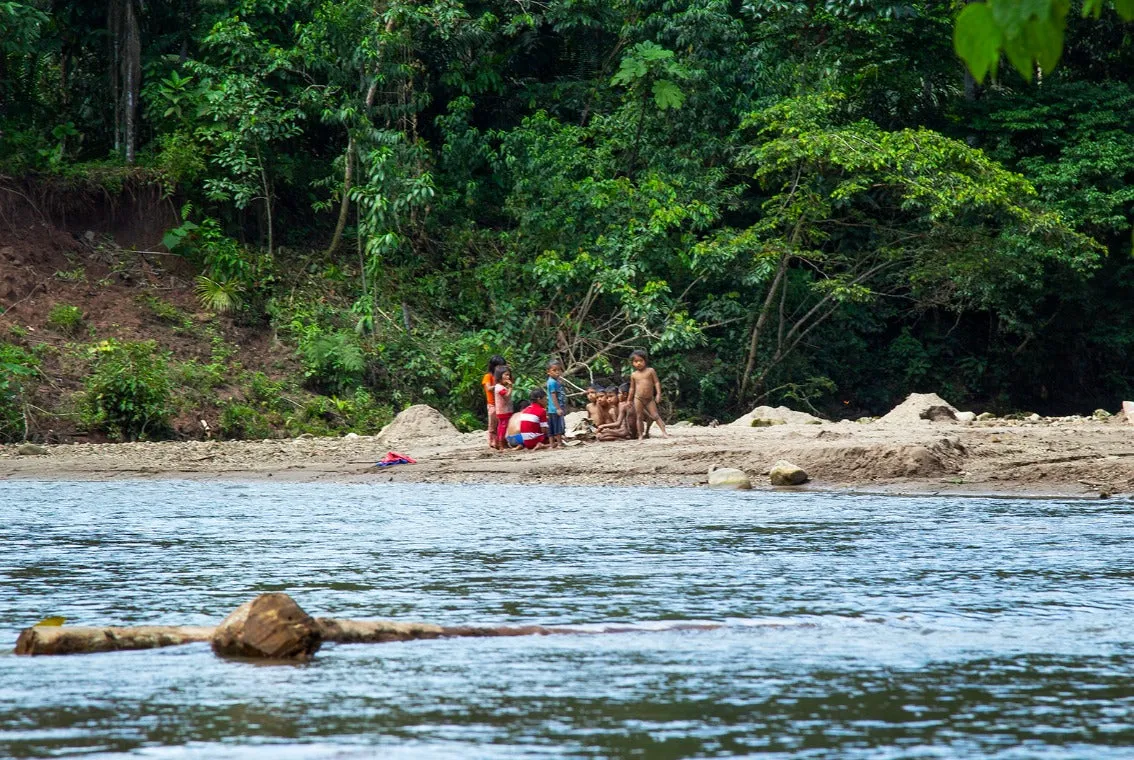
x=114 y=27
x=125 y=74
x=267 y=201
x=761 y=320
x=344 y=206
x=132 y=79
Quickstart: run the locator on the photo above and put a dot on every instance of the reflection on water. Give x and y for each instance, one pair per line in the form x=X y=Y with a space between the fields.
x=855 y=626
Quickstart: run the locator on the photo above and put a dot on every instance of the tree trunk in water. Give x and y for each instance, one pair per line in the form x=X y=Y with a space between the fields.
x=87 y=640
x=273 y=626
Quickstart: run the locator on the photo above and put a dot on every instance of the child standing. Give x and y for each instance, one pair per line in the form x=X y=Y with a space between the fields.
x=488 y=382
x=556 y=404
x=645 y=393
x=503 y=400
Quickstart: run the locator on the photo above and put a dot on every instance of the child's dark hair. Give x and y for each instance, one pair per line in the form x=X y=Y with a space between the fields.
x=639 y=353
x=594 y=387
x=495 y=362
x=624 y=388
x=610 y=389
x=537 y=394
x=555 y=363
x=498 y=373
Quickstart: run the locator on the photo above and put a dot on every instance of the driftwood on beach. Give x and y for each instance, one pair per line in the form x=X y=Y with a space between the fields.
x=274 y=627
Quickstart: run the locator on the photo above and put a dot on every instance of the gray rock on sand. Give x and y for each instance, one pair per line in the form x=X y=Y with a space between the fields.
x=784 y=473
x=765 y=416
x=1128 y=411
x=418 y=422
x=985 y=416
x=919 y=408
x=31 y=450
x=966 y=416
x=728 y=478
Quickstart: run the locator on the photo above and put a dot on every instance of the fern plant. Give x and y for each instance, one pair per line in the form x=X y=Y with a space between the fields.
x=332 y=361
x=222 y=296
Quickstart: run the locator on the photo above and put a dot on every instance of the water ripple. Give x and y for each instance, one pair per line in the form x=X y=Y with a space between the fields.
x=851 y=626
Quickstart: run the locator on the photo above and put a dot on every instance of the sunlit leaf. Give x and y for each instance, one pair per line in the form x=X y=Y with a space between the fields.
x=667 y=94
x=977 y=39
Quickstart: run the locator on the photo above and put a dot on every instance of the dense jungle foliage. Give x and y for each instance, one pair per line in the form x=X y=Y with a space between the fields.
x=810 y=202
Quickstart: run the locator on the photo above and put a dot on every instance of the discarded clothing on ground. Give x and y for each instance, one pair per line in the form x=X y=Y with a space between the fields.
x=392 y=458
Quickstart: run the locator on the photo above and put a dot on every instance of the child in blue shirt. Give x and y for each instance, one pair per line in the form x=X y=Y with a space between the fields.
x=556 y=403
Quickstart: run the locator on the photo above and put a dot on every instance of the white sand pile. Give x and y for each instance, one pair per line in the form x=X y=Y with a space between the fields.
x=919 y=408
x=788 y=416
x=416 y=423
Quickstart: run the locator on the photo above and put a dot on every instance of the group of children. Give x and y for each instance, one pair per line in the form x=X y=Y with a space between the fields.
x=617 y=413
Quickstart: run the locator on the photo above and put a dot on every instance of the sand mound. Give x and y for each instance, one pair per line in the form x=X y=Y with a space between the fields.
x=878 y=461
x=418 y=422
x=788 y=416
x=919 y=408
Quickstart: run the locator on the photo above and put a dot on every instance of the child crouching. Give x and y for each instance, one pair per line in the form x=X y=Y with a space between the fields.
x=528 y=429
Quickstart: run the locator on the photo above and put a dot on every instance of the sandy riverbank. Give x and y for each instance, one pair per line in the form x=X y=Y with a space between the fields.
x=1050 y=457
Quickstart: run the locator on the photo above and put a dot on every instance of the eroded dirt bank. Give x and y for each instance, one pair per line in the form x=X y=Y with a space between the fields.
x=1082 y=458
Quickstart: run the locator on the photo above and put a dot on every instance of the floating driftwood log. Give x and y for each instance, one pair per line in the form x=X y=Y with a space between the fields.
x=274 y=627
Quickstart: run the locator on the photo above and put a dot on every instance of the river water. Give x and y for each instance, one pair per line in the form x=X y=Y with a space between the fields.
x=856 y=627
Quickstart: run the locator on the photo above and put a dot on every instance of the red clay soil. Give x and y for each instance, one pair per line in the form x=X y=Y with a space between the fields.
x=107 y=270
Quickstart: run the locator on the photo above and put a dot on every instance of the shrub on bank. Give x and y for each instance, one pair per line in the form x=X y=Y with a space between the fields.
x=17 y=367
x=128 y=392
x=65 y=318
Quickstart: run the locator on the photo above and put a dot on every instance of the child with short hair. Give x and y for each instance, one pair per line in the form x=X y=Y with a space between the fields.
x=610 y=402
x=645 y=391
x=556 y=404
x=595 y=408
x=623 y=427
x=528 y=429
x=488 y=382
x=503 y=396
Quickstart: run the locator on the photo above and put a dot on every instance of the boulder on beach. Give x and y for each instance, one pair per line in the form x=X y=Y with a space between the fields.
x=784 y=473
x=728 y=478
x=919 y=408
x=416 y=423
x=766 y=416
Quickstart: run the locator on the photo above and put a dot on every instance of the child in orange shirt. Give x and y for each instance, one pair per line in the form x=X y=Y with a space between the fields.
x=488 y=382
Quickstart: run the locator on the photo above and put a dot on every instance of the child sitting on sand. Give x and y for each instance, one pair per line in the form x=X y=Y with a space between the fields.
x=503 y=401
x=610 y=403
x=596 y=409
x=624 y=427
x=488 y=382
x=645 y=391
x=528 y=429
